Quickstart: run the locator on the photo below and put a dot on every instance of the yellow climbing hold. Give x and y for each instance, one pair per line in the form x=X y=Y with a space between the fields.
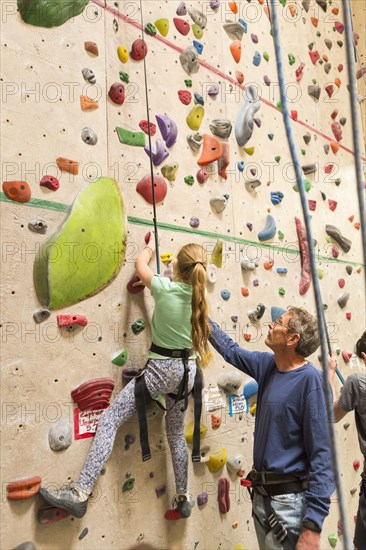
x=320 y=273
x=216 y=256
x=188 y=431
x=249 y=150
x=163 y=26
x=217 y=460
x=238 y=546
x=122 y=54
x=195 y=117
x=197 y=31
x=253 y=409
x=166 y=257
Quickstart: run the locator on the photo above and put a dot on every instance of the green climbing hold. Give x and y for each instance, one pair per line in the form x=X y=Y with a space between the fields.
x=283 y=3
x=281 y=291
x=277 y=158
x=150 y=29
x=303 y=151
x=279 y=105
x=121 y=358
x=281 y=235
x=50 y=13
x=124 y=77
x=138 y=326
x=307 y=186
x=332 y=539
x=266 y=56
x=131 y=138
x=128 y=484
x=188 y=83
x=313 y=81
x=189 y=180
x=86 y=251
x=291 y=58
x=338 y=351
x=318 y=34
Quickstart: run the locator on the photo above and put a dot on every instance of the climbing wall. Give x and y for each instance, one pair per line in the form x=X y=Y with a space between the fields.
x=242 y=208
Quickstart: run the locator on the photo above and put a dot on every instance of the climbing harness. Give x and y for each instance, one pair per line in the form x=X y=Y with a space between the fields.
x=143 y=397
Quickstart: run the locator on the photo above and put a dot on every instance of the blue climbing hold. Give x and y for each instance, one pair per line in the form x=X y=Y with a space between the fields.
x=257 y=59
x=269 y=229
x=198 y=99
x=282 y=270
x=276 y=197
x=244 y=24
x=225 y=294
x=198 y=46
x=276 y=312
x=250 y=389
x=240 y=165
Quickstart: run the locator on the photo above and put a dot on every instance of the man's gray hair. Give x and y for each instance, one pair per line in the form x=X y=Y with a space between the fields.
x=306 y=325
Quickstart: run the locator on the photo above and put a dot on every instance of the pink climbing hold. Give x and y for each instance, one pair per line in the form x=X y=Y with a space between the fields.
x=356 y=464
x=332 y=204
x=182 y=26
x=145 y=190
x=335 y=252
x=299 y=72
x=185 y=96
x=340 y=68
x=314 y=56
x=348 y=315
x=202 y=175
x=305 y=278
x=71 y=320
x=312 y=205
x=223 y=495
x=339 y=27
x=346 y=355
x=139 y=50
x=329 y=89
x=341 y=283
x=144 y=125
x=337 y=130
x=50 y=182
x=328 y=168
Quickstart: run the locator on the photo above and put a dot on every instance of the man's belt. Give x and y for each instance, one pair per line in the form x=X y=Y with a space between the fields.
x=267 y=484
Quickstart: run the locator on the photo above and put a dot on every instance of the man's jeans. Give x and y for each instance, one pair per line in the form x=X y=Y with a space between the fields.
x=289 y=509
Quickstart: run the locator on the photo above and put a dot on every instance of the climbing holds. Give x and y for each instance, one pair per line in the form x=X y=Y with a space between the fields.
x=158 y=152
x=213 y=90
x=122 y=54
x=239 y=77
x=189 y=180
x=189 y=428
x=202 y=176
x=202 y=499
x=332 y=539
x=160 y=188
x=138 y=326
x=18 y=191
x=41 y=315
x=124 y=77
x=169 y=171
x=195 y=141
x=195 y=117
x=230 y=381
x=89 y=75
x=183 y=27
x=24 y=488
x=245 y=291
x=257 y=58
x=150 y=29
x=189 y=60
x=235 y=465
x=219 y=202
x=215 y=421
x=163 y=26
x=224 y=161
x=276 y=197
x=168 y=129
x=198 y=17
x=356 y=464
x=194 y=222
x=91 y=47
x=70 y=321
x=334 y=146
x=247 y=264
x=197 y=31
x=88 y=104
x=335 y=233
x=121 y=358
x=47 y=515
x=148 y=128
x=134 y=286
x=198 y=99
x=305 y=278
x=225 y=294
x=244 y=120
x=221 y=127
x=332 y=204
x=267 y=80
x=117 y=93
x=216 y=256
x=223 y=495
x=60 y=436
x=314 y=91
x=89 y=136
x=256 y=315
x=234 y=30
x=254 y=38
x=250 y=389
x=217 y=460
x=235 y=49
x=211 y=151
x=181 y=9
x=339 y=27
x=50 y=182
x=281 y=270
x=128 y=484
x=269 y=229
x=185 y=96
x=211 y=273
x=129 y=137
x=50 y=13
x=343 y=299
x=138 y=50
x=309 y=168
x=337 y=130
x=198 y=46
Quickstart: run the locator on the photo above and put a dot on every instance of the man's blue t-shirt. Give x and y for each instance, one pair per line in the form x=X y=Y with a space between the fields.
x=291 y=425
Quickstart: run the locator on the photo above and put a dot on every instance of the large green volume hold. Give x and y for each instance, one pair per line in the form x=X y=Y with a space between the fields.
x=87 y=250
x=50 y=13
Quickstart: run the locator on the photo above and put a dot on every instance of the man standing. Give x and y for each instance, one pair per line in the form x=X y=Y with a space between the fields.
x=353 y=398
x=292 y=476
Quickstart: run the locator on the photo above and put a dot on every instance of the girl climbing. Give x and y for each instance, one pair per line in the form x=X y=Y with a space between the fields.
x=180 y=333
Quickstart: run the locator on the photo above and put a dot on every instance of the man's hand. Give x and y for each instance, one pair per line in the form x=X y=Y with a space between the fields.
x=308 y=540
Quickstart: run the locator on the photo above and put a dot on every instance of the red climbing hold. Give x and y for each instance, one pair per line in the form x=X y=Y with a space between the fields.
x=294 y=115
x=332 y=204
x=348 y=315
x=312 y=205
x=133 y=286
x=117 y=93
x=337 y=130
x=145 y=190
x=328 y=168
x=138 y=50
x=182 y=26
x=94 y=394
x=51 y=514
x=24 y=488
x=335 y=252
x=71 y=320
x=185 y=96
x=341 y=283
x=356 y=464
x=346 y=356
x=299 y=72
x=144 y=125
x=329 y=89
x=339 y=27
x=334 y=146
x=223 y=495
x=314 y=56
x=305 y=278
x=50 y=182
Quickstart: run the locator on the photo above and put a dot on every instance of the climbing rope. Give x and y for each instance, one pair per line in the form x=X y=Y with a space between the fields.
x=310 y=240
x=355 y=124
x=151 y=162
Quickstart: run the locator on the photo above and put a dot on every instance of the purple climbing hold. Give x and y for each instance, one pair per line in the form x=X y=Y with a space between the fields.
x=254 y=38
x=258 y=122
x=249 y=226
x=215 y=5
x=234 y=318
x=194 y=222
x=160 y=491
x=267 y=80
x=158 y=152
x=168 y=129
x=255 y=282
x=202 y=175
x=181 y=9
x=202 y=498
x=213 y=90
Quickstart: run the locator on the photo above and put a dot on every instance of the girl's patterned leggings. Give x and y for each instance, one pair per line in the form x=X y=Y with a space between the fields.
x=162 y=376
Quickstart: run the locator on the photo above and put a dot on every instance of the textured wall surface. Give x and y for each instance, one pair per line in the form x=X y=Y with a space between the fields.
x=41 y=364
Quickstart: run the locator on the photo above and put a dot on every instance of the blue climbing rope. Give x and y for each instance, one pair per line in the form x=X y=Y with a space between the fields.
x=310 y=240
x=151 y=162
x=355 y=122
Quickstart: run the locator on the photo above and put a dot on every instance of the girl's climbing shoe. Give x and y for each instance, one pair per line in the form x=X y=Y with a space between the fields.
x=71 y=498
x=182 y=505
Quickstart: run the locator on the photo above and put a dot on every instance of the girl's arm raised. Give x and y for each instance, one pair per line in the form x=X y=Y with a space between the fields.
x=142 y=263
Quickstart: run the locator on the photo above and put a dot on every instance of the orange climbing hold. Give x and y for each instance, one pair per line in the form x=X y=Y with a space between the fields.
x=247 y=336
x=18 y=191
x=239 y=77
x=357 y=225
x=67 y=165
x=233 y=6
x=211 y=150
x=351 y=218
x=335 y=10
x=292 y=10
x=334 y=146
x=224 y=161
x=268 y=264
x=235 y=48
x=325 y=57
x=215 y=421
x=337 y=82
x=244 y=291
x=314 y=21
x=24 y=488
x=88 y=104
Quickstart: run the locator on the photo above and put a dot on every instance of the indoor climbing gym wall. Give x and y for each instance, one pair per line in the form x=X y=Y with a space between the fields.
x=94 y=93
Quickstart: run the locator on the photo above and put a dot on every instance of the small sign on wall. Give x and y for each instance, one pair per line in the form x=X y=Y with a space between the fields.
x=86 y=422
x=215 y=398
